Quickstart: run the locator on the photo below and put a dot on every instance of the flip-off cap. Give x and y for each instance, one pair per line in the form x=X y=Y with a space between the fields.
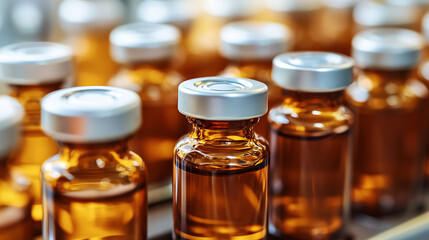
x=254 y=40
x=11 y=115
x=90 y=114
x=312 y=71
x=379 y=14
x=90 y=15
x=294 y=5
x=35 y=63
x=143 y=42
x=387 y=48
x=222 y=98
x=179 y=13
x=231 y=9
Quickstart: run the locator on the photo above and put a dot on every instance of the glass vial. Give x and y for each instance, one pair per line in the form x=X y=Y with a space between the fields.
x=310 y=147
x=31 y=71
x=387 y=101
x=87 y=25
x=15 y=200
x=94 y=188
x=250 y=47
x=220 y=182
x=146 y=53
x=374 y=14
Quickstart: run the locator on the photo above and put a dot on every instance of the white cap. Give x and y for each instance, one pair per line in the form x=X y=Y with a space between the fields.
x=231 y=8
x=312 y=71
x=294 y=5
x=90 y=15
x=254 y=40
x=11 y=115
x=387 y=48
x=377 y=14
x=90 y=114
x=179 y=13
x=143 y=42
x=34 y=63
x=222 y=98
x=341 y=4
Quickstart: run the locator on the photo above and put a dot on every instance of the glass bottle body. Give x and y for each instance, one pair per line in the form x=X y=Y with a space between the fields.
x=423 y=74
x=36 y=147
x=220 y=182
x=261 y=71
x=156 y=83
x=15 y=207
x=94 y=65
x=310 y=166
x=388 y=142
x=94 y=191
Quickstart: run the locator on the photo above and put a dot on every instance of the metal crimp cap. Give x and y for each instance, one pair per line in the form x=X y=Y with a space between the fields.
x=254 y=40
x=222 y=98
x=387 y=48
x=11 y=115
x=312 y=71
x=33 y=63
x=90 y=114
x=143 y=42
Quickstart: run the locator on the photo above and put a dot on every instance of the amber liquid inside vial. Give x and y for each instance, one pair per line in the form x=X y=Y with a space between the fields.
x=35 y=147
x=260 y=71
x=310 y=166
x=15 y=208
x=95 y=191
x=220 y=182
x=388 y=142
x=162 y=123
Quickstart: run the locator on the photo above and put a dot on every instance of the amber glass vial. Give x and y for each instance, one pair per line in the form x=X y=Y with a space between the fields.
x=250 y=47
x=15 y=199
x=387 y=101
x=310 y=147
x=375 y=14
x=94 y=188
x=86 y=25
x=146 y=53
x=33 y=70
x=220 y=181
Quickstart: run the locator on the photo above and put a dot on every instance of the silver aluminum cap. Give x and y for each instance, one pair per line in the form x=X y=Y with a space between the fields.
x=387 y=48
x=231 y=8
x=90 y=114
x=294 y=5
x=254 y=40
x=143 y=42
x=312 y=71
x=425 y=26
x=378 y=14
x=179 y=13
x=222 y=98
x=11 y=115
x=78 y=16
x=33 y=63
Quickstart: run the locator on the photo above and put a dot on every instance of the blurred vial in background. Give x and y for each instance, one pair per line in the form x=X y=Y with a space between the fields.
x=87 y=25
x=31 y=71
x=301 y=16
x=181 y=14
x=372 y=14
x=220 y=180
x=250 y=47
x=388 y=136
x=94 y=188
x=335 y=26
x=146 y=52
x=203 y=41
x=310 y=147
x=15 y=199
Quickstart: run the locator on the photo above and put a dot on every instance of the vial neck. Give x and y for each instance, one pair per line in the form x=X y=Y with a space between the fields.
x=259 y=63
x=215 y=131
x=30 y=97
x=382 y=78
x=161 y=65
x=303 y=101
